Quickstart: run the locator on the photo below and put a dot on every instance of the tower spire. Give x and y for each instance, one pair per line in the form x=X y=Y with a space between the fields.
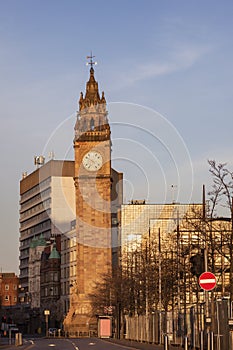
x=92 y=121
x=92 y=97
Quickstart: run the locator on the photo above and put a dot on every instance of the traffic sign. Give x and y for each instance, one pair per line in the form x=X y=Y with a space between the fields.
x=207 y=281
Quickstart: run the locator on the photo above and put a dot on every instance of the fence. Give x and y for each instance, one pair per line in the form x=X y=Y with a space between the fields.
x=191 y=323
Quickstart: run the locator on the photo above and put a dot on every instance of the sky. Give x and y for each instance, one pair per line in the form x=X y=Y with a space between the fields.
x=166 y=69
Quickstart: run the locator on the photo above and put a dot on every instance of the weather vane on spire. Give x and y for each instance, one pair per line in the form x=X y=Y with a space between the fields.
x=92 y=63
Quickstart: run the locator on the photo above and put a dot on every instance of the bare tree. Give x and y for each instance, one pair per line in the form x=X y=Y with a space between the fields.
x=222 y=195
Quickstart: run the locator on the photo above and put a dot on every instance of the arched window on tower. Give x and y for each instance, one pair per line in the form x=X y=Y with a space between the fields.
x=100 y=123
x=84 y=128
x=92 y=124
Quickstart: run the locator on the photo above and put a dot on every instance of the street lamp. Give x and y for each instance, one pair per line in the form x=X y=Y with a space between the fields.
x=47 y=313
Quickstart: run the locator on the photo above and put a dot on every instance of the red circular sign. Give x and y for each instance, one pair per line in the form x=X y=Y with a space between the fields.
x=207 y=281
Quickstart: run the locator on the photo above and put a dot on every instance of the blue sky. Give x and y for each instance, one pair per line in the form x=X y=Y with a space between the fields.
x=172 y=57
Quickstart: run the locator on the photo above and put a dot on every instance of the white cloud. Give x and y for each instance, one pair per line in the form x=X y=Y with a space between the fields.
x=182 y=58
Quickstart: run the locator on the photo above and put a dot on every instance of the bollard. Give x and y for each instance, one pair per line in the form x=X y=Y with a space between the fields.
x=211 y=340
x=186 y=343
x=208 y=341
x=201 y=340
x=166 y=342
x=231 y=340
x=16 y=339
x=20 y=339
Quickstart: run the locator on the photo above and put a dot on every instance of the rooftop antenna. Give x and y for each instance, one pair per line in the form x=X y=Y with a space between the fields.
x=51 y=155
x=203 y=203
x=38 y=161
x=91 y=62
x=173 y=187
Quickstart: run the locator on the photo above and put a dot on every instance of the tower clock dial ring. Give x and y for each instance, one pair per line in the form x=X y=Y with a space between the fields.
x=92 y=161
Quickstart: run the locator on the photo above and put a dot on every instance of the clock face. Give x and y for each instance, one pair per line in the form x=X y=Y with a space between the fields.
x=92 y=161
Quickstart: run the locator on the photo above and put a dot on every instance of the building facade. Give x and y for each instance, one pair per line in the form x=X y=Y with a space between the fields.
x=9 y=284
x=36 y=249
x=50 y=274
x=47 y=205
x=176 y=243
x=68 y=265
x=167 y=231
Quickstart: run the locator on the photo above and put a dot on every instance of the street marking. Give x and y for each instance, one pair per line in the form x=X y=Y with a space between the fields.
x=74 y=345
x=29 y=347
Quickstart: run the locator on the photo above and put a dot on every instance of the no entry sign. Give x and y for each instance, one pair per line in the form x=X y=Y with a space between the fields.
x=207 y=281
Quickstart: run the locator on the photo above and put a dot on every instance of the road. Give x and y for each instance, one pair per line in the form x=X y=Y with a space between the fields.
x=81 y=344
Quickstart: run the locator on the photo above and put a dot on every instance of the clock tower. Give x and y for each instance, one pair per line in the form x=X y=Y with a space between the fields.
x=92 y=147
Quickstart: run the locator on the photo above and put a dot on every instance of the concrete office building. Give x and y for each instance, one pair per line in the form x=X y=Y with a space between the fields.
x=47 y=206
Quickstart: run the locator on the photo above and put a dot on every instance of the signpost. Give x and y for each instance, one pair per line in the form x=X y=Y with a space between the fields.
x=207 y=281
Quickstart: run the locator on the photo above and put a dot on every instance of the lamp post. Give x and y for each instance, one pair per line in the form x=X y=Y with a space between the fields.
x=47 y=313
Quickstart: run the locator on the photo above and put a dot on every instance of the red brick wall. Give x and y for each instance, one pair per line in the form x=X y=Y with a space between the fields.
x=9 y=284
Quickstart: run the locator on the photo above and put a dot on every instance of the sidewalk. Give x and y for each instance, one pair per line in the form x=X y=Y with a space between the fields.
x=142 y=346
x=13 y=347
x=4 y=344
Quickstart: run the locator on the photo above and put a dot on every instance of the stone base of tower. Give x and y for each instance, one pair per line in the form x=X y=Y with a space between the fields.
x=79 y=321
x=80 y=326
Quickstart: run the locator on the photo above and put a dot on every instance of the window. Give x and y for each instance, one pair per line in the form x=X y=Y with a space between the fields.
x=84 y=125
x=6 y=297
x=67 y=288
x=6 y=286
x=92 y=124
